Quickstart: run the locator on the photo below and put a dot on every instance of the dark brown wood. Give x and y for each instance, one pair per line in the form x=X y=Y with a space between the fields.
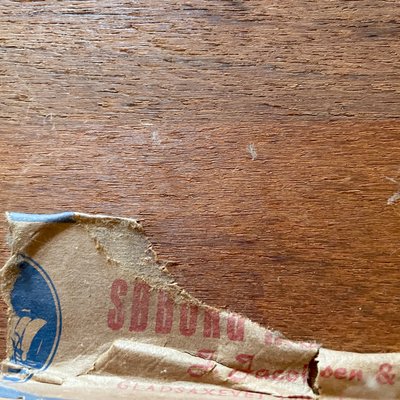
x=258 y=141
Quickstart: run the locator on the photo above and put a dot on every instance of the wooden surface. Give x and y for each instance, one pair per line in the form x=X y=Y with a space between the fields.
x=258 y=142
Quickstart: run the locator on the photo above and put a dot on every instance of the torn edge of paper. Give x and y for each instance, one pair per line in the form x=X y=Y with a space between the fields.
x=92 y=310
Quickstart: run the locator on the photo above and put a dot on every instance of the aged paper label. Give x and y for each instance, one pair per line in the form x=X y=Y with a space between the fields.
x=94 y=314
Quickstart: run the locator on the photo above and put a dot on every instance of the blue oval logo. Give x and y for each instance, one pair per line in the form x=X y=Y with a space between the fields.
x=36 y=324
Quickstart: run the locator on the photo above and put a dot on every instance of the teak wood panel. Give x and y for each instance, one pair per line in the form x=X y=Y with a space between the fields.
x=257 y=141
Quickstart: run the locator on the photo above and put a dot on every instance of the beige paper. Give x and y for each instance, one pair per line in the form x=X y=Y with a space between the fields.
x=344 y=375
x=93 y=313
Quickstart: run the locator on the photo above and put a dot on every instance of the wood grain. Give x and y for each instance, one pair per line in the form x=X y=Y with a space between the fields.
x=258 y=142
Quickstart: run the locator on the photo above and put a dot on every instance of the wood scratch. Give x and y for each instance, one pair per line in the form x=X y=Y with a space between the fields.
x=393 y=198
x=252 y=151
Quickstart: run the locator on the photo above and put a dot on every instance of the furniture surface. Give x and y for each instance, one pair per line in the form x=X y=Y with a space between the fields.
x=257 y=141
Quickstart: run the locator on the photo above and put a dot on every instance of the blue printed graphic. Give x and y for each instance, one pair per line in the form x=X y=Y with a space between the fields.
x=11 y=393
x=44 y=218
x=36 y=325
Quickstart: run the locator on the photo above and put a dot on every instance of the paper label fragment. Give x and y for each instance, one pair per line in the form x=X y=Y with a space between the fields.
x=93 y=313
x=358 y=376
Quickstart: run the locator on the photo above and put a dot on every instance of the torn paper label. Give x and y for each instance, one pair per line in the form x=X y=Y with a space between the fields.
x=93 y=313
x=346 y=375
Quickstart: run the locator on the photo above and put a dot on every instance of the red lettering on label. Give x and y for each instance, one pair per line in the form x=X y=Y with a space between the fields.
x=268 y=338
x=140 y=307
x=199 y=370
x=262 y=373
x=123 y=385
x=245 y=360
x=188 y=328
x=277 y=375
x=340 y=373
x=165 y=313
x=305 y=373
x=116 y=316
x=235 y=327
x=210 y=392
x=211 y=324
x=206 y=354
x=356 y=374
x=385 y=375
x=240 y=375
x=292 y=376
x=273 y=340
x=326 y=372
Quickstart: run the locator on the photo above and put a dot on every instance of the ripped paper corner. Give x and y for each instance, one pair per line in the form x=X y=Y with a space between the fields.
x=93 y=313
